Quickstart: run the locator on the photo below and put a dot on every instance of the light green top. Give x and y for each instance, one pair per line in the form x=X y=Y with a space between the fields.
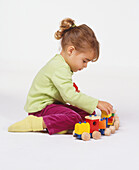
x=53 y=84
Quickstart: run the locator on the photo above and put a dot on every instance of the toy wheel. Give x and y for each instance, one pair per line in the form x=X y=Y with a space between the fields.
x=107 y=132
x=85 y=136
x=112 y=128
x=74 y=134
x=96 y=135
x=116 y=124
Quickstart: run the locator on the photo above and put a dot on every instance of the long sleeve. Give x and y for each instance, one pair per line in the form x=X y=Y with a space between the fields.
x=62 y=79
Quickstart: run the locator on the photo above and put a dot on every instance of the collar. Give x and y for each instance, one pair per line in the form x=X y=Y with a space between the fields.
x=65 y=61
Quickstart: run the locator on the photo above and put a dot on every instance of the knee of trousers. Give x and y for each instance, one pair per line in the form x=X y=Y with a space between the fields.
x=75 y=117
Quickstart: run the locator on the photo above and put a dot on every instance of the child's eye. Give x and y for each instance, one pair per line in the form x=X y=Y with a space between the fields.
x=84 y=61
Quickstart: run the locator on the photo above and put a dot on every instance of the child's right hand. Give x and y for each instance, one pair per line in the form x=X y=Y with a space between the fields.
x=102 y=105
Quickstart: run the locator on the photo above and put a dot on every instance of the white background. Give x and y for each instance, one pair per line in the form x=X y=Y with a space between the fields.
x=27 y=42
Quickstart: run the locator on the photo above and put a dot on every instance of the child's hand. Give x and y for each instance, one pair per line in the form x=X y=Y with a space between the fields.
x=102 y=105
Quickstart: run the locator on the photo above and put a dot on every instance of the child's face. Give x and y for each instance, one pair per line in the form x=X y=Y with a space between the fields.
x=79 y=61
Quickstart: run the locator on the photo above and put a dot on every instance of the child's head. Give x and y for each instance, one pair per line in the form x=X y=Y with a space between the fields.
x=79 y=44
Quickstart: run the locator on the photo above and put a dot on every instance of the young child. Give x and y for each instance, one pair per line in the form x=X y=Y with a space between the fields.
x=54 y=101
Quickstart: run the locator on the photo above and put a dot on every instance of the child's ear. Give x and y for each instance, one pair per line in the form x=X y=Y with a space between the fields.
x=70 y=49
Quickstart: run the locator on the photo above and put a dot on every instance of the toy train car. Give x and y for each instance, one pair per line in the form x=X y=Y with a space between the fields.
x=94 y=126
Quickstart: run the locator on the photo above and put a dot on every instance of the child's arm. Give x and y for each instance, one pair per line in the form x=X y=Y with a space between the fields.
x=102 y=105
x=62 y=79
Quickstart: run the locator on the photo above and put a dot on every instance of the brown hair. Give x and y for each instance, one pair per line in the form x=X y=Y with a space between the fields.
x=81 y=37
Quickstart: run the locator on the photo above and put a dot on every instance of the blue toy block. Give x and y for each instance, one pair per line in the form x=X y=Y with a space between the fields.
x=91 y=135
x=102 y=131
x=78 y=136
x=106 y=122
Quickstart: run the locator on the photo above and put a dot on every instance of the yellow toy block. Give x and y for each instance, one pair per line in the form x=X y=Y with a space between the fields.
x=82 y=127
x=104 y=114
x=110 y=124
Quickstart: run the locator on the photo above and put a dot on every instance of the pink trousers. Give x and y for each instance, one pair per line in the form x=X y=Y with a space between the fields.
x=59 y=117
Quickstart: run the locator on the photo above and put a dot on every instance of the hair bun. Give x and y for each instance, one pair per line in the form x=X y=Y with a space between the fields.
x=65 y=25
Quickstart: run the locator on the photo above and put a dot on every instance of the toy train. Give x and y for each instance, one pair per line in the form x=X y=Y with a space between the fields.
x=94 y=126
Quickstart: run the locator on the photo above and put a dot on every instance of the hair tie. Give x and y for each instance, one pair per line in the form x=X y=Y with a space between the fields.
x=73 y=25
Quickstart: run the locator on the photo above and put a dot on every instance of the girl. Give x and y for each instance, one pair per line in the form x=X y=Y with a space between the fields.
x=54 y=102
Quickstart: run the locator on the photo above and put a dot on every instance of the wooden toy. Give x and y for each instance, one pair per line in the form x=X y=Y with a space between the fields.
x=116 y=125
x=93 y=120
x=107 y=132
x=96 y=135
x=94 y=126
x=112 y=128
x=85 y=136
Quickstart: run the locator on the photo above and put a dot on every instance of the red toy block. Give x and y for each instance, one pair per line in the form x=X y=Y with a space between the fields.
x=94 y=125
x=111 y=119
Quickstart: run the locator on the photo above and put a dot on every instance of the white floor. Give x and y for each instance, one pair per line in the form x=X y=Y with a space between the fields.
x=36 y=150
